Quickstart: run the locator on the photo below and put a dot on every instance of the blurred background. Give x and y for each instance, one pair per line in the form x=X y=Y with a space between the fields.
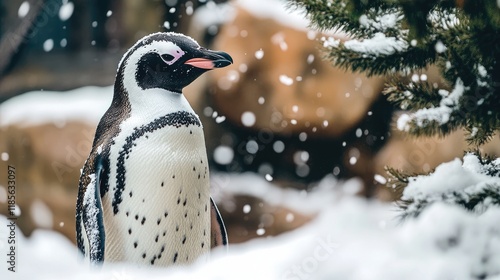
x=280 y=123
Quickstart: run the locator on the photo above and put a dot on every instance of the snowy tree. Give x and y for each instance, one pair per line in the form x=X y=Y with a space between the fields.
x=401 y=38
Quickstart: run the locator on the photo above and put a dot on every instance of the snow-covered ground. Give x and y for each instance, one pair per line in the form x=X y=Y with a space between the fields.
x=351 y=238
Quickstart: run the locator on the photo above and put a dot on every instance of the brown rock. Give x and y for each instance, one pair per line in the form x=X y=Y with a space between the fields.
x=47 y=159
x=318 y=92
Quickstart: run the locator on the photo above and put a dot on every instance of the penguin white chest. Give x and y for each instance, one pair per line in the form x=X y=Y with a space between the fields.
x=157 y=211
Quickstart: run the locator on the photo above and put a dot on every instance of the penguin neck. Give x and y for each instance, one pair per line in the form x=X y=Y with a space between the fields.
x=154 y=103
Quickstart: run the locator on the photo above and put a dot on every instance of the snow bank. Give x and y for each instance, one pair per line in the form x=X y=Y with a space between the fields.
x=37 y=107
x=353 y=239
x=327 y=192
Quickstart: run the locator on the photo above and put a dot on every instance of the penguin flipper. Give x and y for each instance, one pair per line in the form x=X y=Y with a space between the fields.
x=217 y=228
x=92 y=215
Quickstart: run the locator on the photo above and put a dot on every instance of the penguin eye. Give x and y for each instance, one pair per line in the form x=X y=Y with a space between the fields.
x=167 y=57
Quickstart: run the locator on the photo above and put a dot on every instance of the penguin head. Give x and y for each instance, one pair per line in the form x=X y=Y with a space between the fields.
x=168 y=61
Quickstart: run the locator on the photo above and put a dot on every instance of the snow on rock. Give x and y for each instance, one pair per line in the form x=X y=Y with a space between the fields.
x=212 y=14
x=276 y=10
x=379 y=44
x=38 y=107
x=440 y=114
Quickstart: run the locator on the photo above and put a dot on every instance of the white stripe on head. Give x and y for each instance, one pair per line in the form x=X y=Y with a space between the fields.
x=154 y=102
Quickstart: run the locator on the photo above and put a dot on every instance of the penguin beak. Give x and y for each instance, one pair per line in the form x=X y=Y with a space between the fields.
x=209 y=59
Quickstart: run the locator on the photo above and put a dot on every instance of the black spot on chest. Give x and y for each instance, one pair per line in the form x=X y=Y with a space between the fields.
x=177 y=119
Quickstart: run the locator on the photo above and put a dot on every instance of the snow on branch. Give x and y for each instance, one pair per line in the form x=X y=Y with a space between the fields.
x=473 y=184
x=440 y=115
x=378 y=45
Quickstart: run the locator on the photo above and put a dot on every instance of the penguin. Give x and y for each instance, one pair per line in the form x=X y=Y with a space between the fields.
x=144 y=191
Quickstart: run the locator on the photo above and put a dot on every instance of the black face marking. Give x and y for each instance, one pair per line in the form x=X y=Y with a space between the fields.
x=179 y=74
x=185 y=214
x=130 y=194
x=202 y=244
x=153 y=260
x=178 y=200
x=153 y=72
x=204 y=232
x=158 y=221
x=162 y=248
x=156 y=238
x=164 y=233
x=199 y=195
x=176 y=119
x=185 y=201
x=143 y=220
x=191 y=226
x=162 y=184
x=135 y=244
x=137 y=217
x=144 y=255
x=194 y=168
x=126 y=213
x=173 y=176
x=129 y=231
x=206 y=208
x=184 y=239
x=175 y=256
x=177 y=228
x=143 y=200
x=198 y=213
x=165 y=214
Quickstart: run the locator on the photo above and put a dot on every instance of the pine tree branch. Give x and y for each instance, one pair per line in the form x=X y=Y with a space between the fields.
x=475 y=198
x=412 y=95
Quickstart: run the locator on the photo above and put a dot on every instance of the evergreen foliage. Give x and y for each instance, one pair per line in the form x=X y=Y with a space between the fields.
x=402 y=39
x=476 y=198
x=405 y=37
